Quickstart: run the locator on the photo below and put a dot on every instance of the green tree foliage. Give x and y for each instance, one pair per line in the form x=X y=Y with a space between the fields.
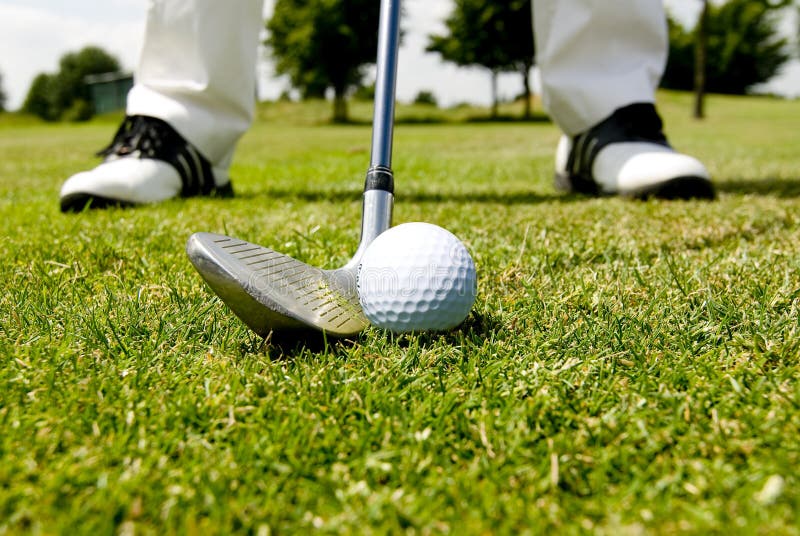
x=797 y=18
x=426 y=98
x=40 y=100
x=743 y=48
x=65 y=95
x=322 y=44
x=75 y=67
x=497 y=36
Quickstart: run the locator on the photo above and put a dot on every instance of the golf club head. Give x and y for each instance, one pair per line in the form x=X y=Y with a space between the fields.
x=270 y=291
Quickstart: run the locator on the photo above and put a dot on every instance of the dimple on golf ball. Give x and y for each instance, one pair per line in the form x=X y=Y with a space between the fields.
x=416 y=277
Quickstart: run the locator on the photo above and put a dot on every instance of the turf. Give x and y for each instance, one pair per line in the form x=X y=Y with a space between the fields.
x=628 y=367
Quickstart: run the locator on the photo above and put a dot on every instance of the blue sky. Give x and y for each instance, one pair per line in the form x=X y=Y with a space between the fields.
x=35 y=33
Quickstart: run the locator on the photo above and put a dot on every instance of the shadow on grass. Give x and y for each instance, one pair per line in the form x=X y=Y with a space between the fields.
x=475 y=330
x=434 y=119
x=534 y=118
x=780 y=188
x=522 y=197
x=287 y=346
x=476 y=326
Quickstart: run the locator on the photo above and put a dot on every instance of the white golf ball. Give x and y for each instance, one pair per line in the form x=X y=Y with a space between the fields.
x=416 y=277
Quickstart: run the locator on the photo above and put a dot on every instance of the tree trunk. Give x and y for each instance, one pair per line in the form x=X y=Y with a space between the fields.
x=526 y=83
x=700 y=61
x=495 y=104
x=339 y=106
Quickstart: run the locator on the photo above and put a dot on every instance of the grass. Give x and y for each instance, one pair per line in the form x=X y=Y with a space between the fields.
x=629 y=367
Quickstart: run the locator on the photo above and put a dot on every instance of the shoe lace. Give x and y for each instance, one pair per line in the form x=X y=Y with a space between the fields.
x=136 y=135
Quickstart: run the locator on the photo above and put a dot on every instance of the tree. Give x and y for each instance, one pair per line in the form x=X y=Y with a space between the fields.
x=495 y=35
x=3 y=97
x=40 y=100
x=426 y=98
x=74 y=68
x=743 y=47
x=518 y=43
x=322 y=44
x=51 y=96
x=700 y=61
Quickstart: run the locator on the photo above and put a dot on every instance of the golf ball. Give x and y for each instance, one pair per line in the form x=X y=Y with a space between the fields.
x=416 y=277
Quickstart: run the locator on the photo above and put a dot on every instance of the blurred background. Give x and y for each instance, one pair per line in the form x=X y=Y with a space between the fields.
x=35 y=36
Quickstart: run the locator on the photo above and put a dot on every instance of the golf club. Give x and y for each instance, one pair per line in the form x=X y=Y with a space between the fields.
x=272 y=292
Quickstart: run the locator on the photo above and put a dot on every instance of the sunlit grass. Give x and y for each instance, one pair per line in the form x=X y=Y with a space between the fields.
x=628 y=366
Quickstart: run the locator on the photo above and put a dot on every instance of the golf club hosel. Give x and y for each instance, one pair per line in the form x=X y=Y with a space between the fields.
x=380 y=178
x=377 y=217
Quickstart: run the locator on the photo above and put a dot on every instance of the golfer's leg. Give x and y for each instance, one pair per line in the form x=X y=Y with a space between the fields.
x=597 y=56
x=193 y=98
x=600 y=64
x=197 y=71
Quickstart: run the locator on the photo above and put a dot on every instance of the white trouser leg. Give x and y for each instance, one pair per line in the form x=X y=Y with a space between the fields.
x=197 y=71
x=596 y=56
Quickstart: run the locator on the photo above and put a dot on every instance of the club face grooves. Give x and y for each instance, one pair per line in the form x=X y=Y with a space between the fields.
x=272 y=291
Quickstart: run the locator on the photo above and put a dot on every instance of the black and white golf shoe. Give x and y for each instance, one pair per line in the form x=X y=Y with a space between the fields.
x=146 y=162
x=627 y=154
